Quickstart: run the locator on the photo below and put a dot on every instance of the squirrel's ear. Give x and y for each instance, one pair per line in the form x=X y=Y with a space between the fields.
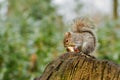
x=68 y=34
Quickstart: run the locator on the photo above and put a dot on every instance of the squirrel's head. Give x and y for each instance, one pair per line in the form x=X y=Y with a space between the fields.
x=68 y=40
x=68 y=43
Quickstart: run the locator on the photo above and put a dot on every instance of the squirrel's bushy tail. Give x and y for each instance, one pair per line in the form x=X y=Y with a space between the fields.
x=80 y=23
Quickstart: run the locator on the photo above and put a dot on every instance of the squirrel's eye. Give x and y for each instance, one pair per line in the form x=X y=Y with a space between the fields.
x=66 y=40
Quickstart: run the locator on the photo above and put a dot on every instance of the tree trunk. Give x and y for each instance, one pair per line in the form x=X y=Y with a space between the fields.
x=76 y=66
x=115 y=9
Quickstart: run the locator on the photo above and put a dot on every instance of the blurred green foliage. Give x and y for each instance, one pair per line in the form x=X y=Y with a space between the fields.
x=109 y=40
x=31 y=36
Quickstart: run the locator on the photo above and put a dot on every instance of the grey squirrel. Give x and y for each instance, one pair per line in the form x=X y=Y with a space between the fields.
x=81 y=38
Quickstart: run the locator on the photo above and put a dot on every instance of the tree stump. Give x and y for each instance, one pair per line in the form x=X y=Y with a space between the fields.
x=76 y=66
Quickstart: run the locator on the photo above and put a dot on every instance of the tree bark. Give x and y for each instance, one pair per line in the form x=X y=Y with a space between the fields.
x=76 y=66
